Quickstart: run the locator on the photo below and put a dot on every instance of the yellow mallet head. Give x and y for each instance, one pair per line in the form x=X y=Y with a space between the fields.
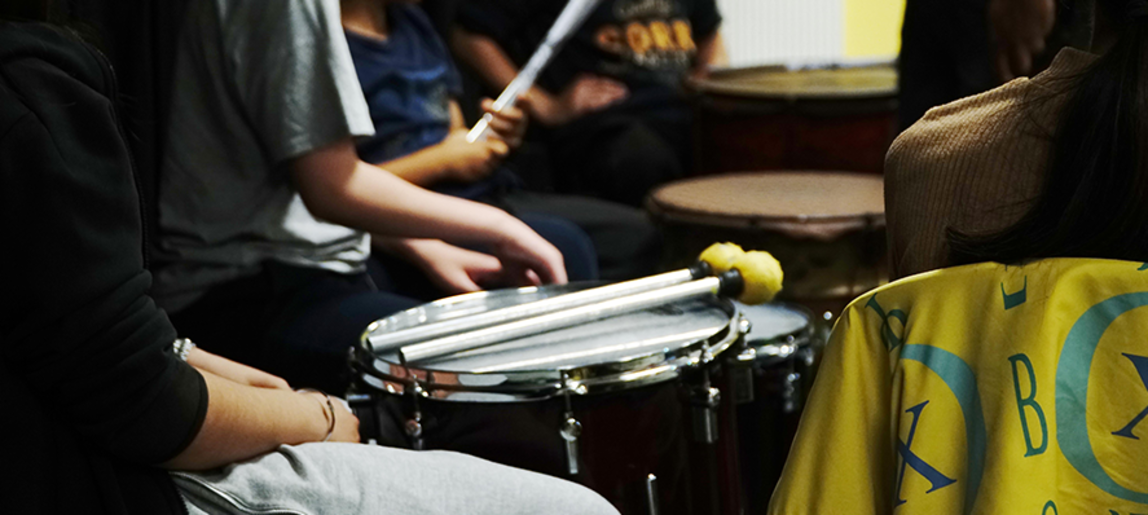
x=721 y=256
x=761 y=274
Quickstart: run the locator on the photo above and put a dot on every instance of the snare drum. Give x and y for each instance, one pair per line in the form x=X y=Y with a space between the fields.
x=785 y=343
x=772 y=118
x=826 y=228
x=629 y=406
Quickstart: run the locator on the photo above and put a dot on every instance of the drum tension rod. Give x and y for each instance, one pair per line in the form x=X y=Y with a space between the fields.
x=705 y=400
x=414 y=425
x=741 y=364
x=571 y=428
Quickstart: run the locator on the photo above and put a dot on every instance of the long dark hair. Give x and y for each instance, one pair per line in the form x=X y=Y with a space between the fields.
x=1094 y=200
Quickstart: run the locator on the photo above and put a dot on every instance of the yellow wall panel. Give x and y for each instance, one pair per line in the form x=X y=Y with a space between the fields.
x=873 y=27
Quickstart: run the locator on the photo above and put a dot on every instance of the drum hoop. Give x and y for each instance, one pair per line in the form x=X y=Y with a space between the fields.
x=533 y=385
x=819 y=227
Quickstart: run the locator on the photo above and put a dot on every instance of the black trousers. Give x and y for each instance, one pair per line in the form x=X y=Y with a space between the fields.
x=621 y=154
x=297 y=323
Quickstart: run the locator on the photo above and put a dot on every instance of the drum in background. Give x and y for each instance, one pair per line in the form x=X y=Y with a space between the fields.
x=826 y=228
x=772 y=118
x=629 y=406
x=785 y=346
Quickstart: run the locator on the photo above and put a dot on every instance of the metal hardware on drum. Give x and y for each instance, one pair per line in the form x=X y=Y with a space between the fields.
x=571 y=429
x=652 y=493
x=741 y=367
x=704 y=401
x=389 y=341
x=729 y=283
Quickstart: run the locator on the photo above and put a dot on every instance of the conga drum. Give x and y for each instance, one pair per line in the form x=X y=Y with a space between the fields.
x=633 y=406
x=826 y=228
x=773 y=118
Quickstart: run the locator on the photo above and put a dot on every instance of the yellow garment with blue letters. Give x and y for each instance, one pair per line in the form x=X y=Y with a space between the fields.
x=983 y=389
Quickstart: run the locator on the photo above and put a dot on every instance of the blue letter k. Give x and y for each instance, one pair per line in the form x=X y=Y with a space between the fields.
x=934 y=476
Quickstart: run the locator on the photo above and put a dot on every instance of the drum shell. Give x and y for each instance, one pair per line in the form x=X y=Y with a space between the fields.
x=783 y=374
x=738 y=128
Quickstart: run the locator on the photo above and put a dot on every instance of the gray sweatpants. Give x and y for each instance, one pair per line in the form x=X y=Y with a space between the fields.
x=344 y=479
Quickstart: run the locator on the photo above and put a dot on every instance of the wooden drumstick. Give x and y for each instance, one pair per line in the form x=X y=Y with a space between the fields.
x=715 y=258
x=568 y=21
x=754 y=278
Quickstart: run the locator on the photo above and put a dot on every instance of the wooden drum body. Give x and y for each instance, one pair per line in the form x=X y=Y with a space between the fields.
x=826 y=228
x=771 y=118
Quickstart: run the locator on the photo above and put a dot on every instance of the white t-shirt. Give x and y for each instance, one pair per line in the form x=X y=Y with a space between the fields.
x=256 y=84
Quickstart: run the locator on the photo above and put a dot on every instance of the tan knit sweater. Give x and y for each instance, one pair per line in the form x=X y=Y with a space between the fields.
x=973 y=165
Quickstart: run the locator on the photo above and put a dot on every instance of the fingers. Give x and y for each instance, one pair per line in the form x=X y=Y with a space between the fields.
x=497 y=147
x=508 y=124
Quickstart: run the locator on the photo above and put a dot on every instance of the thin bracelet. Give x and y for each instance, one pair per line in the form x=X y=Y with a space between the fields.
x=330 y=409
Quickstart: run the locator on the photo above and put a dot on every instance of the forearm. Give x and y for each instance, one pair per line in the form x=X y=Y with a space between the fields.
x=336 y=186
x=711 y=54
x=425 y=168
x=485 y=57
x=244 y=421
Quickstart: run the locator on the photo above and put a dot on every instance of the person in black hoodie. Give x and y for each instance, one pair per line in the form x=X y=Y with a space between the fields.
x=104 y=402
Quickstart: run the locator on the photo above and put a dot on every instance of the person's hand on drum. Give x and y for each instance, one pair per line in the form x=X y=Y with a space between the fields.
x=453 y=269
x=587 y=94
x=470 y=161
x=527 y=258
x=231 y=370
x=1020 y=28
x=508 y=125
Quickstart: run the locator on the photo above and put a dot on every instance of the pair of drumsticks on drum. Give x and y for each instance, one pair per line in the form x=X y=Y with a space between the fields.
x=723 y=269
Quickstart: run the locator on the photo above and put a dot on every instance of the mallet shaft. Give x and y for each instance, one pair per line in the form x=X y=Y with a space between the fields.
x=393 y=340
x=703 y=287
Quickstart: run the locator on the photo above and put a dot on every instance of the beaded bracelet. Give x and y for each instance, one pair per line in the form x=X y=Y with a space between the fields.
x=182 y=347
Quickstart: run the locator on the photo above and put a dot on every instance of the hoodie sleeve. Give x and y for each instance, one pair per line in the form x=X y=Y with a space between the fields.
x=80 y=329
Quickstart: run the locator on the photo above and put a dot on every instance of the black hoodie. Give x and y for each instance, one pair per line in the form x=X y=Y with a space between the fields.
x=93 y=397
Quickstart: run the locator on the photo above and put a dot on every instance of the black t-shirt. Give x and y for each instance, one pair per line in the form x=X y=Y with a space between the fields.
x=648 y=45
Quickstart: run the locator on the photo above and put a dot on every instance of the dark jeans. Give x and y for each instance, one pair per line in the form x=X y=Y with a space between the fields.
x=621 y=154
x=628 y=243
x=298 y=323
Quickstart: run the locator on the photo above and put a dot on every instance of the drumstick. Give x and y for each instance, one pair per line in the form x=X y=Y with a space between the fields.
x=568 y=21
x=393 y=340
x=755 y=278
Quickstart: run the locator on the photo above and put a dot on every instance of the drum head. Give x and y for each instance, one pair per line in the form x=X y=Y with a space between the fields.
x=819 y=205
x=776 y=82
x=614 y=353
x=777 y=330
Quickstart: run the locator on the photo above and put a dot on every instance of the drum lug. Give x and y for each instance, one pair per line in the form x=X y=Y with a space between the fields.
x=414 y=425
x=741 y=375
x=791 y=393
x=414 y=429
x=571 y=430
x=705 y=402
